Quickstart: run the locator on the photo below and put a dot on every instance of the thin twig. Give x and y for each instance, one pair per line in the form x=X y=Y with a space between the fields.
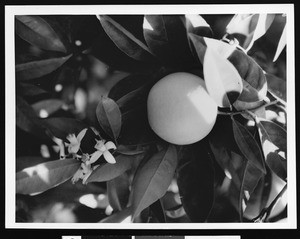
x=248 y=111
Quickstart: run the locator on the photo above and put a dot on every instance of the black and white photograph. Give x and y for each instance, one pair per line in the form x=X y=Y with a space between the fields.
x=150 y=117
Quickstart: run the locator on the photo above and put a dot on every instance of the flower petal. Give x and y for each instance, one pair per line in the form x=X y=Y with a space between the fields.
x=110 y=145
x=100 y=145
x=81 y=134
x=73 y=148
x=78 y=175
x=86 y=168
x=95 y=156
x=109 y=157
x=72 y=138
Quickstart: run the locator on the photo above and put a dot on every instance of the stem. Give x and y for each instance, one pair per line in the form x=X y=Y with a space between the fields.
x=266 y=212
x=247 y=111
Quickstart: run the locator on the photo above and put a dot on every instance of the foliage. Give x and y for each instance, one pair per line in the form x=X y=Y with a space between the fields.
x=81 y=111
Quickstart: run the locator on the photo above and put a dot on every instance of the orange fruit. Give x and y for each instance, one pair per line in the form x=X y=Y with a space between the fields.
x=180 y=110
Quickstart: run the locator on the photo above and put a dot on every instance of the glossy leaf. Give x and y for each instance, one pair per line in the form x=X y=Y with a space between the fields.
x=277 y=86
x=38 y=32
x=281 y=44
x=153 y=179
x=44 y=176
x=158 y=212
x=27 y=120
x=196 y=181
x=47 y=107
x=197 y=25
x=166 y=37
x=249 y=176
x=254 y=81
x=61 y=127
x=248 y=145
x=201 y=43
x=123 y=216
x=29 y=161
x=109 y=117
x=130 y=151
x=124 y=40
x=35 y=69
x=243 y=175
x=109 y=171
x=118 y=192
x=274 y=143
x=31 y=90
x=252 y=26
x=222 y=80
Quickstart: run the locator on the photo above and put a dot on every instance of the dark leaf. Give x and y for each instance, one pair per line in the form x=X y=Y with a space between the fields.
x=254 y=80
x=47 y=107
x=44 y=176
x=118 y=192
x=274 y=143
x=197 y=25
x=130 y=151
x=166 y=37
x=251 y=26
x=29 y=161
x=281 y=44
x=38 y=32
x=243 y=175
x=61 y=127
x=109 y=117
x=153 y=179
x=125 y=40
x=277 y=86
x=249 y=176
x=35 y=69
x=157 y=210
x=108 y=171
x=31 y=90
x=27 y=120
x=248 y=145
x=196 y=181
x=119 y=217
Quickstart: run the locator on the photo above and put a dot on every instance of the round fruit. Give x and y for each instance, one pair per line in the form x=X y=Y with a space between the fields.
x=180 y=110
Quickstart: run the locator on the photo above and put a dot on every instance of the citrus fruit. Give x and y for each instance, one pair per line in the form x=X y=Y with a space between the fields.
x=180 y=110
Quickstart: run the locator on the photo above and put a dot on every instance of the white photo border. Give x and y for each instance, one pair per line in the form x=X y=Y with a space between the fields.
x=10 y=113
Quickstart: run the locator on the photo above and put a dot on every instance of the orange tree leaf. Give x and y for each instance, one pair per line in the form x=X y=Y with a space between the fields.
x=125 y=40
x=195 y=178
x=166 y=37
x=38 y=32
x=118 y=192
x=253 y=78
x=109 y=117
x=35 y=69
x=153 y=179
x=274 y=143
x=109 y=171
x=41 y=177
x=49 y=106
x=222 y=80
x=248 y=145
